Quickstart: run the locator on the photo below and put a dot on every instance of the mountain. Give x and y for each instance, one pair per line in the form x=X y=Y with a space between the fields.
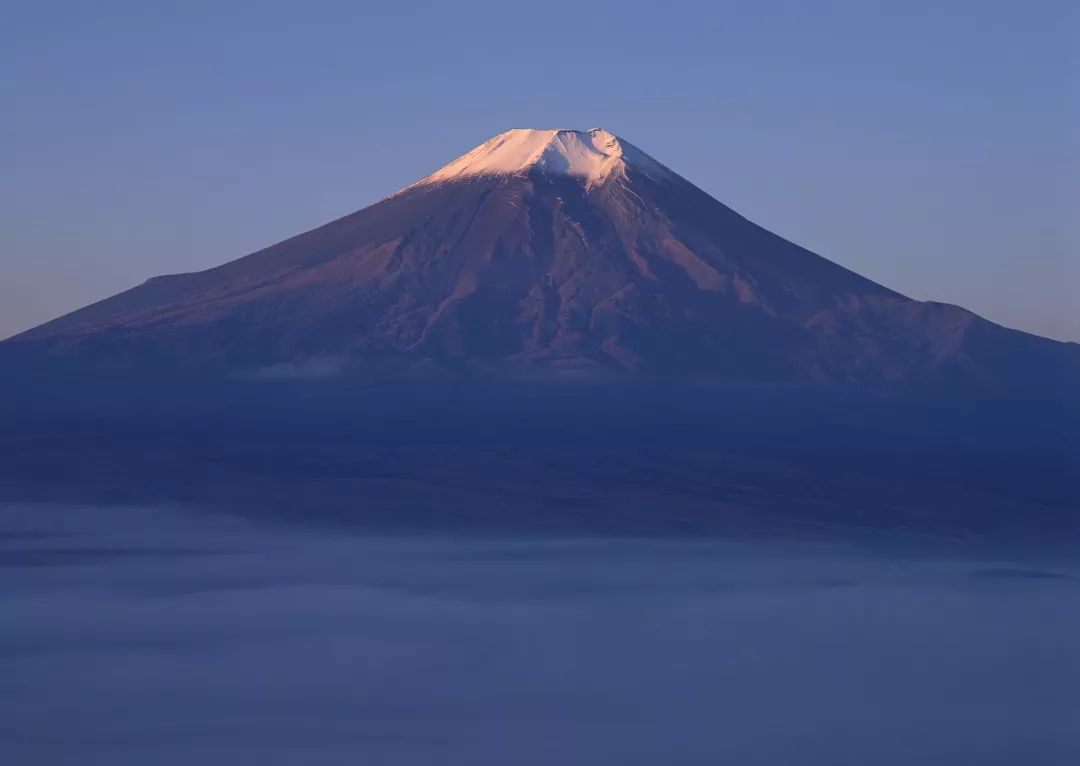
x=548 y=249
x=554 y=332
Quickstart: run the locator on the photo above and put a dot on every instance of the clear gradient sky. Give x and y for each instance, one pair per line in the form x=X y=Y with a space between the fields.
x=933 y=147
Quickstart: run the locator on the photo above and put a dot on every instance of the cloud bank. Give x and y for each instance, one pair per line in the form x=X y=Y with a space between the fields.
x=152 y=636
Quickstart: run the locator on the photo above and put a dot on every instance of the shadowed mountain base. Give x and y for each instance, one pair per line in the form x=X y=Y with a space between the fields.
x=559 y=458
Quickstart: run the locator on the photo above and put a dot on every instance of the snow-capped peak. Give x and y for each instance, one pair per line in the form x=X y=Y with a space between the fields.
x=590 y=155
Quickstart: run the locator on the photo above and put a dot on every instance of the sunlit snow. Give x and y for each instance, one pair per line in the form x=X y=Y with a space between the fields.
x=591 y=155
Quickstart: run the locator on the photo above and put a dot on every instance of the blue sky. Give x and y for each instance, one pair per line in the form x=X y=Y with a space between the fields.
x=934 y=147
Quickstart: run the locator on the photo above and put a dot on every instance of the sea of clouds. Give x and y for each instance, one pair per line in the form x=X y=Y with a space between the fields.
x=141 y=635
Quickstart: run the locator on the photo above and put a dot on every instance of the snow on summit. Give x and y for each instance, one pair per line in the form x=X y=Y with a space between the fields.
x=591 y=155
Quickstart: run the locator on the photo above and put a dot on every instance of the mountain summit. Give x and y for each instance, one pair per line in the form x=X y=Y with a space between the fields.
x=592 y=155
x=548 y=249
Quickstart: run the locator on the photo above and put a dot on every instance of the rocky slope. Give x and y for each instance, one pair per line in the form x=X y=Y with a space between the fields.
x=549 y=249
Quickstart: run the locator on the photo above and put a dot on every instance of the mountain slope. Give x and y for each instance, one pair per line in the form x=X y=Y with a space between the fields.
x=550 y=249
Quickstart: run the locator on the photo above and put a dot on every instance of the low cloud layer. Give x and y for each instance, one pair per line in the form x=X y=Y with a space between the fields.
x=151 y=636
